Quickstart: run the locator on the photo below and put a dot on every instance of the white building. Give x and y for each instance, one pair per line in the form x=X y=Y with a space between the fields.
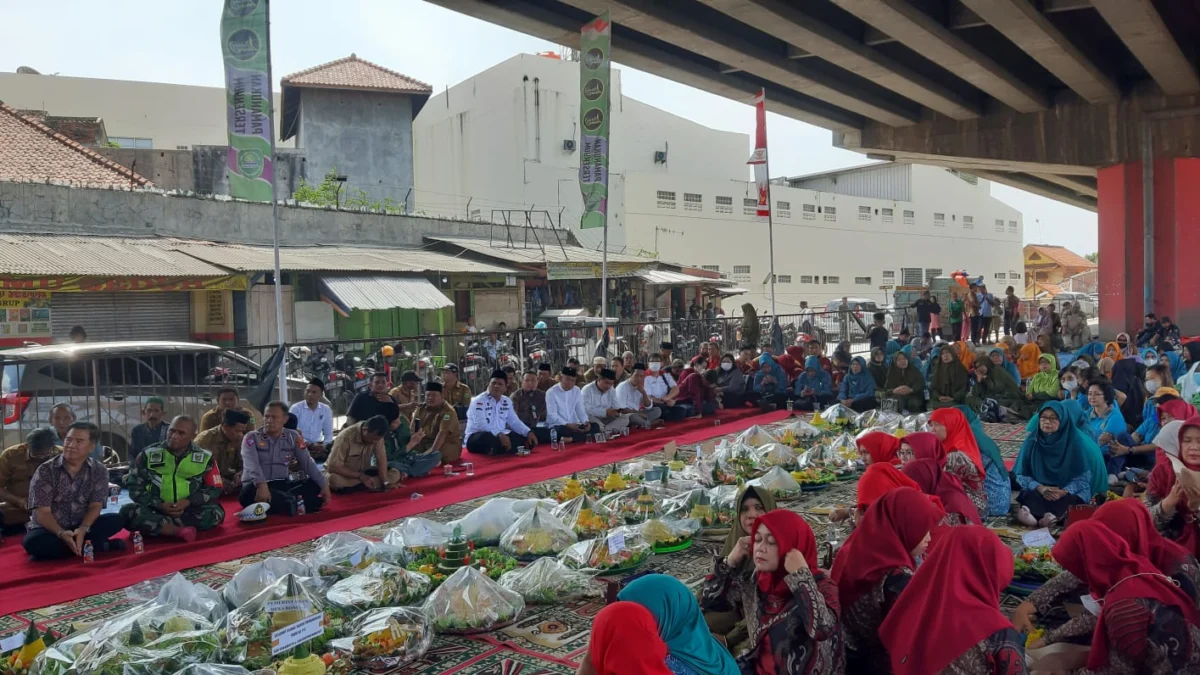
x=504 y=143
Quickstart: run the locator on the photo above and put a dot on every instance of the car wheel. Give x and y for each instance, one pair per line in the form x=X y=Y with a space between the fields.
x=117 y=443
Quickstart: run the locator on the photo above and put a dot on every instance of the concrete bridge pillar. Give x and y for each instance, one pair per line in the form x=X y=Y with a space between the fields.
x=1176 y=245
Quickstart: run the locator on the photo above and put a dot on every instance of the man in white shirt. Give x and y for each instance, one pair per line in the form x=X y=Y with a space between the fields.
x=565 y=411
x=631 y=395
x=314 y=420
x=662 y=390
x=493 y=427
x=600 y=403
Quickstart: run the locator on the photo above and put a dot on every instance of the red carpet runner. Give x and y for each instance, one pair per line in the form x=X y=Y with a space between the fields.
x=27 y=585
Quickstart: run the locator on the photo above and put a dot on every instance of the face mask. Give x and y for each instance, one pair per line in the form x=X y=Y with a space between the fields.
x=1070 y=385
x=1152 y=385
x=1151 y=363
x=655 y=366
x=725 y=365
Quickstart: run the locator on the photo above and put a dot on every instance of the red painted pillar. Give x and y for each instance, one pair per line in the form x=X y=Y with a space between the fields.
x=1176 y=245
x=1120 y=273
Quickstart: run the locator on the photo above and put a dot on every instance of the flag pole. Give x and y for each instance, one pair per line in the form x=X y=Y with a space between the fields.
x=770 y=228
x=283 y=393
x=761 y=161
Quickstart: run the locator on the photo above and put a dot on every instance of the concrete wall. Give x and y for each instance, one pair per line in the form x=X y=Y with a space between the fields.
x=171 y=115
x=202 y=169
x=28 y=207
x=365 y=135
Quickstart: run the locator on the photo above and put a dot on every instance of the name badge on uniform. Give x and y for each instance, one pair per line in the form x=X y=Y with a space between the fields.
x=198 y=457
x=446 y=417
x=154 y=457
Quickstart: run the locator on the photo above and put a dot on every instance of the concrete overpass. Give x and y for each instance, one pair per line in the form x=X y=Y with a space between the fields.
x=1063 y=98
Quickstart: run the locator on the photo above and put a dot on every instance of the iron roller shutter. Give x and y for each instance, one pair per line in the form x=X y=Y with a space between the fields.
x=122 y=316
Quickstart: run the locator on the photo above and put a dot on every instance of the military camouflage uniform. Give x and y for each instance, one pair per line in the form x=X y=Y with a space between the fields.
x=200 y=484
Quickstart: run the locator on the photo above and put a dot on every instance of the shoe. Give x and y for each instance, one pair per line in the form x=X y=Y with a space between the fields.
x=1026 y=518
x=186 y=534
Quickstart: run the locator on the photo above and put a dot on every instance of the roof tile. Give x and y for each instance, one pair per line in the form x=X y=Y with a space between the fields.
x=32 y=152
x=355 y=73
x=1061 y=255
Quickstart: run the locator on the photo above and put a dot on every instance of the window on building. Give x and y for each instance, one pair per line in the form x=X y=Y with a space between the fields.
x=1014 y=275
x=889 y=277
x=136 y=143
x=930 y=273
x=830 y=213
x=783 y=209
x=909 y=217
x=862 y=281
x=830 y=280
x=666 y=200
x=462 y=305
x=864 y=213
x=912 y=276
x=724 y=204
x=968 y=222
x=1001 y=276
x=749 y=207
x=783 y=278
x=888 y=215
x=805 y=279
x=741 y=269
x=810 y=211
x=999 y=224
x=1012 y=226
x=939 y=220
x=786 y=206
x=711 y=268
x=693 y=201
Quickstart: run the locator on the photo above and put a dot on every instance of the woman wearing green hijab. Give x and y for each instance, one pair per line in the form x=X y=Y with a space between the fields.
x=905 y=385
x=1044 y=385
x=948 y=385
x=997 y=484
x=992 y=383
x=728 y=625
x=691 y=649
x=1059 y=466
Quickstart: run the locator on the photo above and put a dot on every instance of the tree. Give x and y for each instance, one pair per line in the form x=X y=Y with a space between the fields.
x=332 y=193
x=1094 y=257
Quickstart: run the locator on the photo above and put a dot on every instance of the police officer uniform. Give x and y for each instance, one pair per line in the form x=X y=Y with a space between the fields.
x=270 y=460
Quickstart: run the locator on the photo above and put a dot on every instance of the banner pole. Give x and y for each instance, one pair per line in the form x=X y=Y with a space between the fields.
x=283 y=392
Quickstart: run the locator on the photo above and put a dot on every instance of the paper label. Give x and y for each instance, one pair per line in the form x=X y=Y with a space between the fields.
x=670 y=449
x=356 y=558
x=616 y=542
x=1040 y=537
x=12 y=642
x=288 y=605
x=1090 y=604
x=302 y=631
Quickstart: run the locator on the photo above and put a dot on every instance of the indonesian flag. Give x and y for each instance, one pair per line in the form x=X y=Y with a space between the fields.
x=759 y=158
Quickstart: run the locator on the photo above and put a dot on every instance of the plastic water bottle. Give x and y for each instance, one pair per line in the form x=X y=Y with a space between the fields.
x=139 y=546
x=300 y=505
x=553 y=438
x=89 y=552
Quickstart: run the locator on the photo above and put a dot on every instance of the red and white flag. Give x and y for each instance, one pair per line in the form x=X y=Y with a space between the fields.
x=759 y=158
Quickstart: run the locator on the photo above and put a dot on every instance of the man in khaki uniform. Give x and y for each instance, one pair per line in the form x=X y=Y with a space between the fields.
x=17 y=465
x=437 y=420
x=457 y=394
x=227 y=399
x=408 y=393
x=349 y=465
x=225 y=443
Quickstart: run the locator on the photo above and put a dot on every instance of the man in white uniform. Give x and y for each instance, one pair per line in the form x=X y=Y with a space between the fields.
x=565 y=411
x=493 y=427
x=600 y=403
x=631 y=395
x=662 y=390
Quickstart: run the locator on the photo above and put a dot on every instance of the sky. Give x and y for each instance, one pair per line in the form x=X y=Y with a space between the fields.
x=176 y=41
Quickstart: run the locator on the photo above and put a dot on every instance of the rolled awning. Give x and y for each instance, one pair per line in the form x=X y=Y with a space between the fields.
x=371 y=293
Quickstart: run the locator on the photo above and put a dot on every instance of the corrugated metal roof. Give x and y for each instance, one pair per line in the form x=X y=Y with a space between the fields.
x=383 y=293
x=538 y=255
x=669 y=278
x=337 y=259
x=64 y=255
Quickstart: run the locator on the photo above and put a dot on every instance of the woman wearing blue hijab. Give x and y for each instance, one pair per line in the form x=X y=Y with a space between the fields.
x=1059 y=466
x=858 y=387
x=1179 y=367
x=770 y=382
x=814 y=386
x=691 y=648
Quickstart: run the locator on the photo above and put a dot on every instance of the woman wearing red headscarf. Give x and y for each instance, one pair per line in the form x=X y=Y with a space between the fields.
x=1147 y=624
x=625 y=641
x=878 y=447
x=789 y=604
x=874 y=566
x=948 y=620
x=1166 y=458
x=963 y=459
x=1130 y=520
x=960 y=510
x=922 y=445
x=1175 y=514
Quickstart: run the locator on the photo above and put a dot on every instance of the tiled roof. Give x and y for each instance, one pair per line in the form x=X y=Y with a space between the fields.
x=32 y=152
x=336 y=259
x=67 y=255
x=1060 y=255
x=355 y=73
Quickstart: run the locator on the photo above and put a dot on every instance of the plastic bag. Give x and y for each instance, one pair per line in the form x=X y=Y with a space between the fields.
x=177 y=591
x=587 y=517
x=700 y=471
x=779 y=482
x=213 y=669
x=535 y=534
x=458 y=552
x=634 y=505
x=548 y=581
x=698 y=505
x=622 y=549
x=246 y=638
x=60 y=657
x=878 y=418
x=737 y=459
x=418 y=535
x=637 y=469
x=798 y=433
x=845 y=445
x=755 y=436
x=469 y=602
x=380 y=585
x=776 y=454
x=341 y=554
x=484 y=525
x=670 y=534
x=911 y=424
x=385 y=639
x=838 y=414
x=253 y=578
x=151 y=638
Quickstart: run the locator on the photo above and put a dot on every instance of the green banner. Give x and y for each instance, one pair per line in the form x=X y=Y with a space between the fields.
x=595 y=47
x=246 y=49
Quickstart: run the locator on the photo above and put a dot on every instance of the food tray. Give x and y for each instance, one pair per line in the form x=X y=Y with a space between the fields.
x=614 y=571
x=682 y=546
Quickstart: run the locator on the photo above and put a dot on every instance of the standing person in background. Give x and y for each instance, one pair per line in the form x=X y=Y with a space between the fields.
x=956 y=317
x=77 y=335
x=924 y=307
x=151 y=431
x=1056 y=328
x=457 y=394
x=971 y=308
x=1012 y=310
x=878 y=337
x=935 y=318
x=987 y=307
x=314 y=420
